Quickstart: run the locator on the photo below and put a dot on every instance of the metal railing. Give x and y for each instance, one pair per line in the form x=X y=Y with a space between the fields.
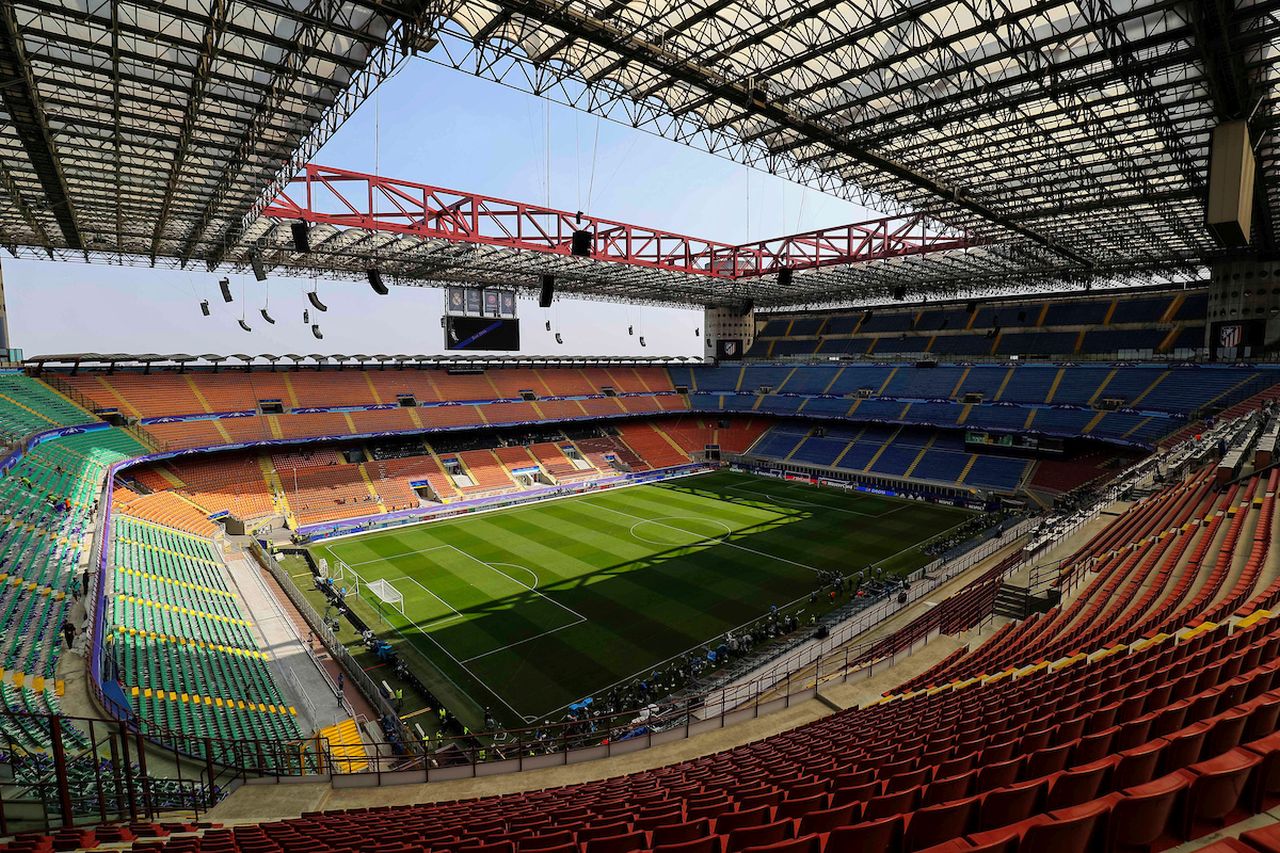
x=90 y=771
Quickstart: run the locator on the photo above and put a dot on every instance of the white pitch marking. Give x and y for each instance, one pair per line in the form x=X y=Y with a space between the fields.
x=720 y=541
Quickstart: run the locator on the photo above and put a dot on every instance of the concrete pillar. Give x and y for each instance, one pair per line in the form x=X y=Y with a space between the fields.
x=729 y=332
x=4 y=315
x=1244 y=309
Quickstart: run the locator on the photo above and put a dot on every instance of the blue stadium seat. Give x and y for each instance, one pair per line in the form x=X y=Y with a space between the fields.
x=887 y=344
x=924 y=383
x=1030 y=383
x=780 y=405
x=1146 y=309
x=841 y=324
x=860 y=376
x=1084 y=312
x=971 y=343
x=888 y=321
x=793 y=346
x=829 y=406
x=819 y=451
x=1037 y=343
x=1105 y=341
x=1195 y=307
x=941 y=465
x=895 y=460
x=939 y=319
x=938 y=414
x=996 y=472
x=1061 y=421
x=778 y=442
x=983 y=379
x=997 y=417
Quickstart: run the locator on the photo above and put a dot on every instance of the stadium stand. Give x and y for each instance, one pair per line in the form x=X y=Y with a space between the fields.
x=329 y=492
x=1140 y=748
x=166 y=393
x=486 y=471
x=895 y=452
x=182 y=646
x=1155 y=587
x=1103 y=325
x=49 y=499
x=167 y=509
x=223 y=483
x=652 y=444
x=28 y=406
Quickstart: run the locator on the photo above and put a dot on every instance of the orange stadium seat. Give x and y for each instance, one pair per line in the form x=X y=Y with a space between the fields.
x=168 y=509
x=486 y=470
x=557 y=464
x=418 y=468
x=225 y=483
x=653 y=446
x=328 y=493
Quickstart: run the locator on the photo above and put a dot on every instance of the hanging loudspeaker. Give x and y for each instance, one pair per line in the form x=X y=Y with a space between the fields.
x=314 y=298
x=580 y=247
x=301 y=236
x=559 y=339
x=315 y=330
x=204 y=307
x=244 y=325
x=259 y=271
x=548 y=291
x=899 y=293
x=266 y=316
x=225 y=284
x=642 y=343
x=375 y=281
x=784 y=277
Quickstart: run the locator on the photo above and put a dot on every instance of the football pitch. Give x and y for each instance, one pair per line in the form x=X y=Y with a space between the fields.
x=529 y=609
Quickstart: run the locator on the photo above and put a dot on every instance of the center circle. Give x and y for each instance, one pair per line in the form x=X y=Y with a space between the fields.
x=680 y=530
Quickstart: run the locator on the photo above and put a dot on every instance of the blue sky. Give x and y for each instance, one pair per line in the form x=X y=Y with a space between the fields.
x=442 y=127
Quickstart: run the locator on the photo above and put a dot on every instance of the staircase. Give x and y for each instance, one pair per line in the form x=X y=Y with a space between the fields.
x=1018 y=602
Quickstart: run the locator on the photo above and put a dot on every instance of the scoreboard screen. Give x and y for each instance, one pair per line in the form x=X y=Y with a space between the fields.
x=1018 y=444
x=493 y=334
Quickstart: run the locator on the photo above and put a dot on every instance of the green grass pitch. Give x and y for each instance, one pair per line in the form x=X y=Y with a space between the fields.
x=529 y=609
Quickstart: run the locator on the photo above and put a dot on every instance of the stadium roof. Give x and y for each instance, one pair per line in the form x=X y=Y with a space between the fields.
x=183 y=360
x=1070 y=136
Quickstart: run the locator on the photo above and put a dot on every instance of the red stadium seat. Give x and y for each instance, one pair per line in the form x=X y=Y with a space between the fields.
x=1215 y=790
x=932 y=825
x=884 y=834
x=626 y=843
x=678 y=833
x=1140 y=814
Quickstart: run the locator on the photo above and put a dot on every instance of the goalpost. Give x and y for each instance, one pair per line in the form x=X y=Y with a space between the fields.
x=344 y=575
x=387 y=594
x=383 y=591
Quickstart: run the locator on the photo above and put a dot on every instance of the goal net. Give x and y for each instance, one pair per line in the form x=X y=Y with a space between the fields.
x=387 y=593
x=343 y=575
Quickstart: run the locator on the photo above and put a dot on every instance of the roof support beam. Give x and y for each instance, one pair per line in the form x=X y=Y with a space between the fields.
x=22 y=103
x=191 y=114
x=636 y=48
x=352 y=200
